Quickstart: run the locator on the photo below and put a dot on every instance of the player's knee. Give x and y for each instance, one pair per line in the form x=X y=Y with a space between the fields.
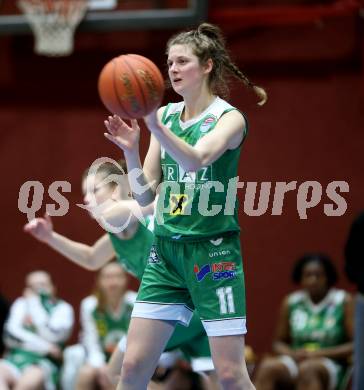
x=6 y=378
x=231 y=376
x=308 y=367
x=270 y=367
x=273 y=374
x=33 y=378
x=132 y=369
x=312 y=370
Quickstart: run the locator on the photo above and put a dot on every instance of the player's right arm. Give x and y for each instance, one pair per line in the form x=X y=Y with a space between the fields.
x=89 y=257
x=144 y=179
x=281 y=337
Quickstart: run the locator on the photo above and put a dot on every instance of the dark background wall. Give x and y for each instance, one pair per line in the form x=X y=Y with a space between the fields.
x=311 y=129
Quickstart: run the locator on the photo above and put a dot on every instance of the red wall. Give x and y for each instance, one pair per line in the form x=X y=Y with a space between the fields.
x=311 y=129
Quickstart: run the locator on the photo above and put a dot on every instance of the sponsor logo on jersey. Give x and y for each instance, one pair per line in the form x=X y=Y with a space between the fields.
x=217 y=242
x=186 y=177
x=177 y=203
x=219 y=253
x=207 y=123
x=221 y=270
x=153 y=256
x=174 y=172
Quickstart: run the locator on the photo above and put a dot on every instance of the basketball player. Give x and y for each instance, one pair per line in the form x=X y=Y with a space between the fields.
x=194 y=151
x=313 y=338
x=132 y=248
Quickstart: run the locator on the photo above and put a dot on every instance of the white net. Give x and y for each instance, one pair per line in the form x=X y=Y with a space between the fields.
x=53 y=23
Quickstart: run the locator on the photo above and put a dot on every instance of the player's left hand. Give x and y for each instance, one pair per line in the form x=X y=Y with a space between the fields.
x=121 y=134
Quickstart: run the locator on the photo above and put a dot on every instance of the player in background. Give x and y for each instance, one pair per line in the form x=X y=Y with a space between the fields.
x=36 y=330
x=313 y=340
x=104 y=317
x=132 y=248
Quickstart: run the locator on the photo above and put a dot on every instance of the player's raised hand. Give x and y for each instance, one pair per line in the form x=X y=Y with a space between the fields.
x=121 y=134
x=40 y=228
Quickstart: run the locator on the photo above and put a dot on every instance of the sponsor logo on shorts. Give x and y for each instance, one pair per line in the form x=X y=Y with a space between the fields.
x=219 y=271
x=201 y=273
x=153 y=256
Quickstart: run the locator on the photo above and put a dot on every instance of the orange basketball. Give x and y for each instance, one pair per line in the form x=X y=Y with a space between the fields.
x=131 y=86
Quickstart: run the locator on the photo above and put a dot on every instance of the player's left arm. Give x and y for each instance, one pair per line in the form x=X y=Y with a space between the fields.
x=349 y=316
x=282 y=338
x=126 y=211
x=227 y=134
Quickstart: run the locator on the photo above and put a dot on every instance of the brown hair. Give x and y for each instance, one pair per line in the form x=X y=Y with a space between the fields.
x=207 y=42
x=107 y=169
x=102 y=306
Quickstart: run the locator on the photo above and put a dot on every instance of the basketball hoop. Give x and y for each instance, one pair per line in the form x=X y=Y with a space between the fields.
x=53 y=23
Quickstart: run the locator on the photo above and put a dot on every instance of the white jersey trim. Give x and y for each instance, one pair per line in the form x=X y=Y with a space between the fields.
x=216 y=108
x=336 y=296
x=225 y=327
x=163 y=311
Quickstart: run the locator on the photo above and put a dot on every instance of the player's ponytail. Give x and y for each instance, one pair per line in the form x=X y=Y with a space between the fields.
x=208 y=42
x=211 y=31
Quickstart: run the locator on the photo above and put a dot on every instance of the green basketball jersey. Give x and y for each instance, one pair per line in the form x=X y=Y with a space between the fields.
x=203 y=203
x=133 y=253
x=317 y=326
x=110 y=327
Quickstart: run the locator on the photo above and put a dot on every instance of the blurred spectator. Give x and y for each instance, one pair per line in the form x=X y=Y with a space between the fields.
x=183 y=378
x=105 y=319
x=4 y=310
x=354 y=266
x=37 y=327
x=314 y=332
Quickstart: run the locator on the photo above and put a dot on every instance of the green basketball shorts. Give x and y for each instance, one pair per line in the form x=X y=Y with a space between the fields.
x=18 y=360
x=206 y=275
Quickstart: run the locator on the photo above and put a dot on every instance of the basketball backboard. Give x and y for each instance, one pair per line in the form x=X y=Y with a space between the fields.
x=114 y=15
